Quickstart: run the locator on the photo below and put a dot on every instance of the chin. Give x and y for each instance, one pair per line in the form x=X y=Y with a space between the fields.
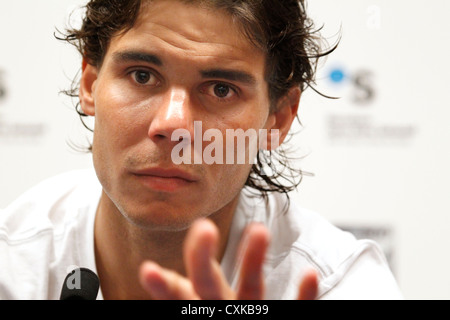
x=161 y=220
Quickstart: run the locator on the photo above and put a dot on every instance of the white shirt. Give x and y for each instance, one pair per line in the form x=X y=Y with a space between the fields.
x=50 y=229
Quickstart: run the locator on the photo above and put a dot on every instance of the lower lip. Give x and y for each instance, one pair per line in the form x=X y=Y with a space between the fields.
x=162 y=183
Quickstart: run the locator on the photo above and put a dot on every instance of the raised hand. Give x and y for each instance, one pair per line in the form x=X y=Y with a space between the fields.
x=205 y=279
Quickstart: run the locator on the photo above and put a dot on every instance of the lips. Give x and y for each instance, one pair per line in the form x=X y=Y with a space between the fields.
x=166 y=180
x=166 y=173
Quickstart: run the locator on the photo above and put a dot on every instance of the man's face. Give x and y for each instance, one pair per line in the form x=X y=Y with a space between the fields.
x=179 y=64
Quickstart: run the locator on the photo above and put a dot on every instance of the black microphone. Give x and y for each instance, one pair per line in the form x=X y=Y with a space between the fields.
x=80 y=284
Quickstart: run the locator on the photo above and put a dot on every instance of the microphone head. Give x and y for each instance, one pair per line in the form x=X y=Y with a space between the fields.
x=80 y=284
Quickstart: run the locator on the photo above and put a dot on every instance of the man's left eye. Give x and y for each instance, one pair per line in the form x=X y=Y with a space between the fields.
x=221 y=91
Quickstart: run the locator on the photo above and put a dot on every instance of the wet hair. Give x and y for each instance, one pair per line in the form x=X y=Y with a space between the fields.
x=281 y=29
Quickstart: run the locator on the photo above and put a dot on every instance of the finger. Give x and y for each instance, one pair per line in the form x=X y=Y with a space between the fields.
x=163 y=284
x=201 y=264
x=309 y=286
x=251 y=286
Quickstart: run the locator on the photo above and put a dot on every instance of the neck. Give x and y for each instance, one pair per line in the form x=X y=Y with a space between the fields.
x=121 y=247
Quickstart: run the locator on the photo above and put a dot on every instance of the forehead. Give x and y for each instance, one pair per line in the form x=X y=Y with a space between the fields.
x=191 y=30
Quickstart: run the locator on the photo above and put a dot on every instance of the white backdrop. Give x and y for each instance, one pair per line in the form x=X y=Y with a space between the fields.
x=379 y=154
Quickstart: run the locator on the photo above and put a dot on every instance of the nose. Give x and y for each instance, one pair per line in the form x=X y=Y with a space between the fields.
x=175 y=114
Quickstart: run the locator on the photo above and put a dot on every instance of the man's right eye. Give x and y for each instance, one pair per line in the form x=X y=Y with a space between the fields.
x=144 y=77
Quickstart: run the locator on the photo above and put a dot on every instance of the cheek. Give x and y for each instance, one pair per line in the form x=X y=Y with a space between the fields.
x=119 y=121
x=110 y=132
x=227 y=181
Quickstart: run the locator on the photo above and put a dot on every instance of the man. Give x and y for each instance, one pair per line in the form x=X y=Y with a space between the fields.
x=153 y=229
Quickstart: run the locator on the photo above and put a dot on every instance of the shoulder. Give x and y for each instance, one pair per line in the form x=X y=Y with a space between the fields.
x=49 y=203
x=41 y=233
x=301 y=239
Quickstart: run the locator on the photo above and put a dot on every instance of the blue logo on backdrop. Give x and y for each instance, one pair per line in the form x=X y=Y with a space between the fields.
x=360 y=83
x=337 y=75
x=357 y=89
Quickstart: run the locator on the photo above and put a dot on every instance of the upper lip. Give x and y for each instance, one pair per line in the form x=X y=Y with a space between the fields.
x=166 y=173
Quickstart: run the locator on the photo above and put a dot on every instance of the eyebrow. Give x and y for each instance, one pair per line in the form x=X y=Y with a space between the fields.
x=127 y=56
x=231 y=75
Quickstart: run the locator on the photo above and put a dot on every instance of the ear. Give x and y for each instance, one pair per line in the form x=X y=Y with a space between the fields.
x=87 y=88
x=280 y=121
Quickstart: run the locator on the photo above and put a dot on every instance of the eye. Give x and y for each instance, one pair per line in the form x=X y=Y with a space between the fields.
x=221 y=91
x=144 y=77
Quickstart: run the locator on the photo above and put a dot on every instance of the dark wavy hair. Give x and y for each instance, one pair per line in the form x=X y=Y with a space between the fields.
x=280 y=28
